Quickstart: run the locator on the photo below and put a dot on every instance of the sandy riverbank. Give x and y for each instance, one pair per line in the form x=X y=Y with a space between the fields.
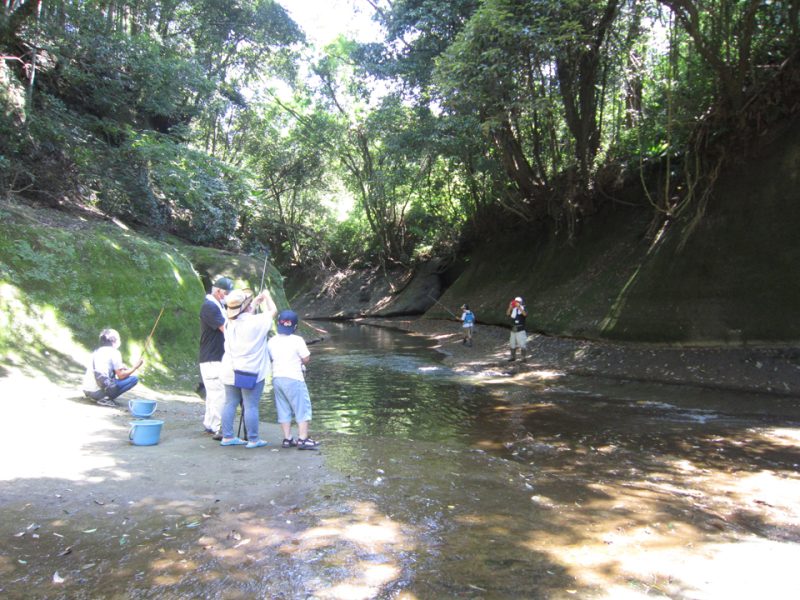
x=774 y=370
x=88 y=514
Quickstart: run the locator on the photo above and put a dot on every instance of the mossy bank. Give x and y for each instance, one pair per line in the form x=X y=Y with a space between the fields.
x=65 y=277
x=732 y=279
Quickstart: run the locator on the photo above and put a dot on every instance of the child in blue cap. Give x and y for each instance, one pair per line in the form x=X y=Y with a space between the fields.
x=289 y=355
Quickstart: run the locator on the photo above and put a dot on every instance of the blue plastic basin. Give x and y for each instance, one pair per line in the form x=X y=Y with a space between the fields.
x=145 y=432
x=142 y=409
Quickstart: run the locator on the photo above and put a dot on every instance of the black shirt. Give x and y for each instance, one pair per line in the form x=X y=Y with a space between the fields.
x=212 y=340
x=519 y=319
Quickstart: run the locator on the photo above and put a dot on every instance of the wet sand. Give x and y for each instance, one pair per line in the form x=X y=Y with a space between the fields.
x=763 y=369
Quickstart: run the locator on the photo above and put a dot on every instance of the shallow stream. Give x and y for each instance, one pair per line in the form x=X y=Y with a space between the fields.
x=561 y=487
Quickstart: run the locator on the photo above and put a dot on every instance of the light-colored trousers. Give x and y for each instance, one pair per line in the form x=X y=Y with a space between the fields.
x=518 y=339
x=215 y=394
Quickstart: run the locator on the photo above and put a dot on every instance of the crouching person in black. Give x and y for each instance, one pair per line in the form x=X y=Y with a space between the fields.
x=106 y=375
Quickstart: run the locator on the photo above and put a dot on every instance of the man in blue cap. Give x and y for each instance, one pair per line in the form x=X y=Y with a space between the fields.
x=212 y=347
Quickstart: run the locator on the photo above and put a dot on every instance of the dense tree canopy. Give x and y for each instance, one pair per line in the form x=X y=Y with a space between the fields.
x=213 y=120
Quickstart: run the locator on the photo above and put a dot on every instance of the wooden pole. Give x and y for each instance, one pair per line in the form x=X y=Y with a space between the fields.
x=152 y=331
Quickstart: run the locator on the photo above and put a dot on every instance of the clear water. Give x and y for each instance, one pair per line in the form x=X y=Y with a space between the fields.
x=495 y=484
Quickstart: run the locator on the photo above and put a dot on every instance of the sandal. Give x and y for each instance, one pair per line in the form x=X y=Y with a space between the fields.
x=307 y=444
x=288 y=442
x=256 y=444
x=233 y=442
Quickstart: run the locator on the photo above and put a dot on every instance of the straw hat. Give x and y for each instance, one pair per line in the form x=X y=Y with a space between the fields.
x=238 y=301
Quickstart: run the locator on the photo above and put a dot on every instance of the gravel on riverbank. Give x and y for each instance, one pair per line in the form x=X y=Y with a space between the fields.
x=774 y=370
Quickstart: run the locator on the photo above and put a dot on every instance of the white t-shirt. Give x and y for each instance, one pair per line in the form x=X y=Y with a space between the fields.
x=288 y=352
x=246 y=346
x=106 y=359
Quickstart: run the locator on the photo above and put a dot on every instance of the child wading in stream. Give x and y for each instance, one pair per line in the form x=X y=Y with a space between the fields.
x=468 y=323
x=289 y=355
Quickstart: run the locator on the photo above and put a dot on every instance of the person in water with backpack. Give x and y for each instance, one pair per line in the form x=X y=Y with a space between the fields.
x=468 y=324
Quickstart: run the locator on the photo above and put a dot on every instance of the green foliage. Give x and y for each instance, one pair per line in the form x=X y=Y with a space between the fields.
x=61 y=284
x=202 y=195
x=288 y=157
x=352 y=242
x=562 y=90
x=159 y=114
x=432 y=27
x=111 y=83
x=131 y=78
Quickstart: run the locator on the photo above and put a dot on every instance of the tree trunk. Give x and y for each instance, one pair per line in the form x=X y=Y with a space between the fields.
x=731 y=74
x=577 y=69
x=514 y=160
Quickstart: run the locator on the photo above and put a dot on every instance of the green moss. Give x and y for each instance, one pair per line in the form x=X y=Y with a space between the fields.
x=246 y=271
x=63 y=280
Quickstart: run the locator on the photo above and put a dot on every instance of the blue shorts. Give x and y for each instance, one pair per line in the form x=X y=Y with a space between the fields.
x=291 y=398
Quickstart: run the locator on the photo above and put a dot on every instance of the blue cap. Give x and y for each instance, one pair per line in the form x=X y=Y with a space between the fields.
x=223 y=283
x=287 y=322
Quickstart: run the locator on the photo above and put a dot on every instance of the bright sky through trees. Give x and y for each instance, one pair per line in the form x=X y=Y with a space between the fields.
x=323 y=20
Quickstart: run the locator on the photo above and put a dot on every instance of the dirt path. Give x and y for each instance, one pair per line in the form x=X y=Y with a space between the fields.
x=84 y=510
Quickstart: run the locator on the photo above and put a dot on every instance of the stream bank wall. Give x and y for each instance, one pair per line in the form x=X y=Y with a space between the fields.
x=733 y=280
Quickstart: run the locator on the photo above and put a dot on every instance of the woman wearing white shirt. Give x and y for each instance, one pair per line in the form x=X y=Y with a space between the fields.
x=245 y=364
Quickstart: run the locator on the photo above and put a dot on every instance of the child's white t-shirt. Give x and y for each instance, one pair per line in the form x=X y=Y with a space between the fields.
x=287 y=353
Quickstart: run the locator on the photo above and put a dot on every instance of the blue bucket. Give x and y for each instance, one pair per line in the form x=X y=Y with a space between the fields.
x=145 y=432
x=142 y=409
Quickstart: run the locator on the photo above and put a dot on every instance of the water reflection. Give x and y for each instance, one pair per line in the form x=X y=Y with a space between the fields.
x=371 y=381
x=446 y=487
x=544 y=490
